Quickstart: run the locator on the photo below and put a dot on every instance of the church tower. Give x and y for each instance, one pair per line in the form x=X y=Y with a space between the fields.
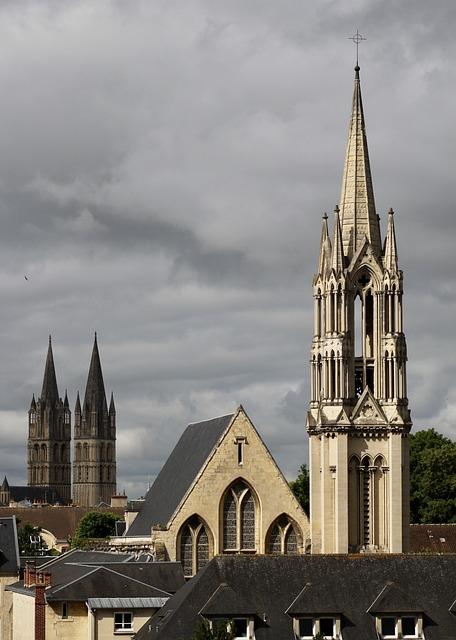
x=49 y=437
x=358 y=420
x=94 y=460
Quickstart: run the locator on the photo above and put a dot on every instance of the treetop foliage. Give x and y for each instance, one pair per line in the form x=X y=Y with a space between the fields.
x=95 y=524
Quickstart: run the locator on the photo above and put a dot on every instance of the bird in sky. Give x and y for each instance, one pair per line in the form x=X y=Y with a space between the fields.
x=26 y=278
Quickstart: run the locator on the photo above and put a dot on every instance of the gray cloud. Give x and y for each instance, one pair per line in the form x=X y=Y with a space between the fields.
x=163 y=171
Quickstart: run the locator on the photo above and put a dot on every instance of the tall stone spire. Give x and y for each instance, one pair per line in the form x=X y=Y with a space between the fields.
x=95 y=396
x=390 y=245
x=49 y=392
x=357 y=204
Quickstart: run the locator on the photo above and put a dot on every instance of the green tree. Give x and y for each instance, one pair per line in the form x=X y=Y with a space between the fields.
x=94 y=524
x=300 y=487
x=221 y=631
x=432 y=477
x=29 y=540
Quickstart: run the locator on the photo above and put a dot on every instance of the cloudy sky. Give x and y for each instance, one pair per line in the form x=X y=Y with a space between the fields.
x=164 y=166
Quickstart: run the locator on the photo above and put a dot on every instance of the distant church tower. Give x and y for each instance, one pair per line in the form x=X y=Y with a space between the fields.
x=49 y=438
x=358 y=419
x=94 y=458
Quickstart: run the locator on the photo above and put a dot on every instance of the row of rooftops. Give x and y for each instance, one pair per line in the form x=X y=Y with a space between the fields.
x=273 y=591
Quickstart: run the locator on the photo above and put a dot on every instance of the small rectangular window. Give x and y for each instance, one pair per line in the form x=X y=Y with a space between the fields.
x=388 y=626
x=240 y=452
x=306 y=626
x=327 y=627
x=409 y=627
x=240 y=628
x=123 y=621
x=64 y=610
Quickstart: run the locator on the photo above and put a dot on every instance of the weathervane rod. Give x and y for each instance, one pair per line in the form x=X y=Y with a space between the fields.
x=357 y=38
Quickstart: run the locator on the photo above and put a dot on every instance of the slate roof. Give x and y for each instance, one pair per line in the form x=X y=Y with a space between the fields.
x=348 y=585
x=178 y=473
x=18 y=493
x=81 y=575
x=395 y=599
x=9 y=551
x=102 y=582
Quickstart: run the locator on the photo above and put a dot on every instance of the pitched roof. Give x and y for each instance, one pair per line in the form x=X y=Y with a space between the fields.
x=19 y=493
x=347 y=585
x=9 y=550
x=80 y=575
x=102 y=582
x=316 y=597
x=178 y=473
x=225 y=600
x=395 y=599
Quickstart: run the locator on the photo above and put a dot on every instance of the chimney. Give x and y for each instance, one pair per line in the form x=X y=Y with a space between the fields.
x=40 y=612
x=29 y=574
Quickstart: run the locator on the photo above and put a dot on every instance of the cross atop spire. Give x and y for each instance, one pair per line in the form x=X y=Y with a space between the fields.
x=357 y=205
x=49 y=392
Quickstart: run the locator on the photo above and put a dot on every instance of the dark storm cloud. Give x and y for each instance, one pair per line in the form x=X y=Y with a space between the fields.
x=163 y=171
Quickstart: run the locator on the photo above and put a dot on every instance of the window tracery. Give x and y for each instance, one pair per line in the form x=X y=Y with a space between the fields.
x=239 y=517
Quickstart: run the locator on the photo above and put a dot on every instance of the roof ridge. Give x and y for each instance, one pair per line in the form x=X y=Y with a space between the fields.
x=225 y=415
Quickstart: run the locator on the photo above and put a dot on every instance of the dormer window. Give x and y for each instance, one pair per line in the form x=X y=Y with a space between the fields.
x=392 y=627
x=241 y=628
x=306 y=628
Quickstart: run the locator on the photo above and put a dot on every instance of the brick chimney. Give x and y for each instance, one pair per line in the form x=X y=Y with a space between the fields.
x=42 y=581
x=29 y=574
x=40 y=612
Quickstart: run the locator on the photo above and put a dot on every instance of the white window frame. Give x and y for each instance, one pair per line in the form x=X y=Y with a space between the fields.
x=398 y=627
x=123 y=628
x=316 y=626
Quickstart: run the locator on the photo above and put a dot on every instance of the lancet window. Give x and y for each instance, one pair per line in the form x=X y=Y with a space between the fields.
x=239 y=518
x=193 y=546
x=282 y=538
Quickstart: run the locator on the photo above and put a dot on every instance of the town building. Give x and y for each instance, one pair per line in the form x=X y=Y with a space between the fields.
x=90 y=595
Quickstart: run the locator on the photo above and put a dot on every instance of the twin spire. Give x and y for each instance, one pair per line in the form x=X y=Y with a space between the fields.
x=95 y=396
x=356 y=219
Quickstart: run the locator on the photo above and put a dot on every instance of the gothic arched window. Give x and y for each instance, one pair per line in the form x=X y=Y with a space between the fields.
x=283 y=537
x=193 y=542
x=239 y=517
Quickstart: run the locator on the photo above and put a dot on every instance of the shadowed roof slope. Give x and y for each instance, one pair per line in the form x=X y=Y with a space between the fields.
x=178 y=473
x=9 y=550
x=345 y=585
